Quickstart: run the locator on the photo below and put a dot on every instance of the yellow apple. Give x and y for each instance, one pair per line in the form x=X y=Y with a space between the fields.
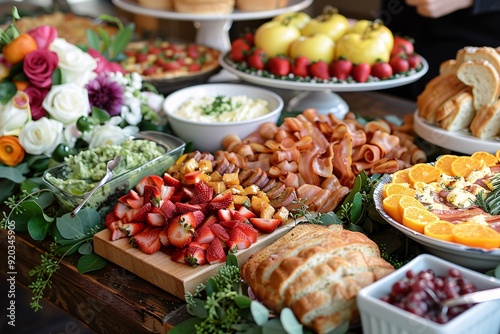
x=359 y=48
x=374 y=28
x=329 y=23
x=315 y=47
x=275 y=37
x=298 y=19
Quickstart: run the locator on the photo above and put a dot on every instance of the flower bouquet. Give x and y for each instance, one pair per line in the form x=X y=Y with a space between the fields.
x=57 y=98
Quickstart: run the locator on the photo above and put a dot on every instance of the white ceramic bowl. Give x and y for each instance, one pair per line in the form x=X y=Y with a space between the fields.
x=471 y=257
x=379 y=317
x=207 y=137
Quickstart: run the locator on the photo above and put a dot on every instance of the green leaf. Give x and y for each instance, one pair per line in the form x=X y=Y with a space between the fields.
x=289 y=322
x=122 y=38
x=67 y=249
x=340 y=329
x=231 y=260
x=242 y=301
x=100 y=114
x=260 y=313
x=14 y=174
x=197 y=308
x=356 y=188
x=57 y=77
x=30 y=209
x=330 y=218
x=186 y=327
x=357 y=207
x=273 y=326
x=38 y=228
x=93 y=39
x=90 y=262
x=77 y=227
x=497 y=271
x=7 y=91
x=211 y=287
x=8 y=188
x=85 y=248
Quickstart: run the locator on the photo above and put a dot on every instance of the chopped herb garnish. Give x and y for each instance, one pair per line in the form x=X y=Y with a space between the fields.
x=219 y=106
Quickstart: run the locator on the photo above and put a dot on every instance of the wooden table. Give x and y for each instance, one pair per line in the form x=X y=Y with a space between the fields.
x=112 y=300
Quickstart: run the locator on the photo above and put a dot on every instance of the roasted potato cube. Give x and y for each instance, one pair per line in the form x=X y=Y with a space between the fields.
x=266 y=210
x=189 y=166
x=231 y=179
x=282 y=214
x=215 y=176
x=205 y=166
x=251 y=190
x=257 y=203
x=241 y=200
x=217 y=186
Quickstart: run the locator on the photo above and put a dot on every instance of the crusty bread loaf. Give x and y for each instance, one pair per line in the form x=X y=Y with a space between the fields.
x=436 y=92
x=260 y=5
x=449 y=66
x=457 y=113
x=316 y=271
x=486 y=124
x=484 y=79
x=486 y=53
x=204 y=6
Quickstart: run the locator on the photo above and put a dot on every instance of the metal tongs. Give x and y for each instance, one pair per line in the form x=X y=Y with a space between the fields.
x=470 y=298
x=109 y=175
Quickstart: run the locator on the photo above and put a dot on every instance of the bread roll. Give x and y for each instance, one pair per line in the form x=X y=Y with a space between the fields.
x=457 y=113
x=486 y=123
x=260 y=5
x=484 y=79
x=204 y=6
x=316 y=271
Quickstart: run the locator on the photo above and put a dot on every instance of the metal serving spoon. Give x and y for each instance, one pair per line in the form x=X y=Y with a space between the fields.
x=109 y=175
x=469 y=298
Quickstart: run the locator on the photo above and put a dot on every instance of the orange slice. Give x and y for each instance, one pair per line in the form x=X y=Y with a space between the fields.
x=444 y=163
x=423 y=173
x=486 y=158
x=441 y=230
x=391 y=206
x=497 y=155
x=463 y=166
x=476 y=235
x=416 y=218
x=406 y=201
x=397 y=188
x=401 y=176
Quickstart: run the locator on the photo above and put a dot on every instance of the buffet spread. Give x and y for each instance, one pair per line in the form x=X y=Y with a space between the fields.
x=283 y=207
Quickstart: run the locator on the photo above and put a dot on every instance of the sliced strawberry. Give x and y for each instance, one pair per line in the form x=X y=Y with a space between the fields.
x=130 y=215
x=164 y=237
x=141 y=214
x=193 y=177
x=199 y=245
x=238 y=239
x=120 y=209
x=266 y=225
x=135 y=203
x=244 y=212
x=195 y=256
x=131 y=229
x=229 y=224
x=209 y=220
x=179 y=255
x=139 y=187
x=187 y=194
x=148 y=240
x=249 y=230
x=221 y=201
x=156 y=219
x=156 y=180
x=181 y=230
x=176 y=197
x=204 y=193
x=166 y=192
x=220 y=232
x=185 y=207
x=171 y=181
x=204 y=235
x=199 y=216
x=225 y=214
x=168 y=209
x=215 y=252
x=110 y=218
x=117 y=234
x=152 y=194
x=123 y=199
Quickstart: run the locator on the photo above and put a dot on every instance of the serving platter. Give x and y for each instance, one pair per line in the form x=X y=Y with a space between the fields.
x=459 y=141
x=470 y=257
x=158 y=269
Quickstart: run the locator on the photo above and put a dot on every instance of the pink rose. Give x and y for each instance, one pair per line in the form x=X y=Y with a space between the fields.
x=44 y=36
x=104 y=65
x=39 y=66
x=36 y=97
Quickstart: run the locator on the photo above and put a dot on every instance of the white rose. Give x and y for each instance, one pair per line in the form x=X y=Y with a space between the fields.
x=131 y=112
x=14 y=114
x=110 y=134
x=41 y=136
x=76 y=65
x=67 y=102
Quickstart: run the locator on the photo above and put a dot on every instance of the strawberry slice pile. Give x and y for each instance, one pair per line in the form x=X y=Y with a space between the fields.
x=187 y=220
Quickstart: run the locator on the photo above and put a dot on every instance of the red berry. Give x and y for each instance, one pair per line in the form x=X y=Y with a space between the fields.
x=278 y=65
x=399 y=63
x=319 y=70
x=381 y=70
x=361 y=72
x=341 y=69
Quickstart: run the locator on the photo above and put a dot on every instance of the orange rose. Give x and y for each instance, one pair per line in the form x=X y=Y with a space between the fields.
x=11 y=152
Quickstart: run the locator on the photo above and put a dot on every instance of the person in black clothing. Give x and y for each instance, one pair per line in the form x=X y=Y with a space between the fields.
x=440 y=28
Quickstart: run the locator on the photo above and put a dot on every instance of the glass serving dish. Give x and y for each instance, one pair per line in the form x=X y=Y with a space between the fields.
x=119 y=185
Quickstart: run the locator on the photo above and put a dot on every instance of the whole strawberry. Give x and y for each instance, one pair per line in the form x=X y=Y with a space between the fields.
x=239 y=48
x=300 y=66
x=319 y=70
x=381 y=70
x=279 y=65
x=257 y=59
x=399 y=63
x=341 y=68
x=413 y=60
x=361 y=72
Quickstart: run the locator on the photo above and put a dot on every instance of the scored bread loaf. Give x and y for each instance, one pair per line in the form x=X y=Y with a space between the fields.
x=484 y=79
x=486 y=124
x=457 y=113
x=316 y=271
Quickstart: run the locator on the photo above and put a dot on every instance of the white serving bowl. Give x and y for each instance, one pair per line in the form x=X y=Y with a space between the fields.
x=207 y=137
x=380 y=317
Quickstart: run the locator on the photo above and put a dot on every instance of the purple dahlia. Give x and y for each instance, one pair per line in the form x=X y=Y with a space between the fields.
x=105 y=93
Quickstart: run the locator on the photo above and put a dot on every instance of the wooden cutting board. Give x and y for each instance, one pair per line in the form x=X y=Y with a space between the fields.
x=160 y=270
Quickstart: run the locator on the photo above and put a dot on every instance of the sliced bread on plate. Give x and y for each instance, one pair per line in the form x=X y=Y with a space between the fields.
x=457 y=113
x=486 y=123
x=484 y=79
